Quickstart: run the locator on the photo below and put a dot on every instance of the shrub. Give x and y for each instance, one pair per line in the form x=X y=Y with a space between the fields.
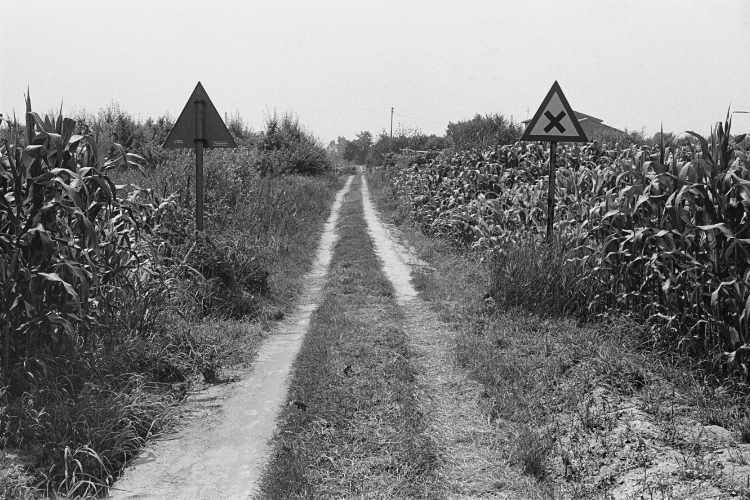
x=286 y=147
x=483 y=131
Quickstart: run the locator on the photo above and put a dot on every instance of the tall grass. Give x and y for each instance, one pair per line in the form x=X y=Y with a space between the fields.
x=539 y=276
x=286 y=147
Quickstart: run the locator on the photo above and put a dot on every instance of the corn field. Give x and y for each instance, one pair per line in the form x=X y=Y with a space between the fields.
x=659 y=232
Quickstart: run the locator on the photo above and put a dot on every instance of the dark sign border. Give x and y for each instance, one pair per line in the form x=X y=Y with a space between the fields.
x=527 y=136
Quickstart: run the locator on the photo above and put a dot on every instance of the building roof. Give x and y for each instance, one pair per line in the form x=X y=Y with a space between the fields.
x=584 y=116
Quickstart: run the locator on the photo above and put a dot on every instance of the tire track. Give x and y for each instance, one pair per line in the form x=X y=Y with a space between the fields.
x=222 y=455
x=471 y=454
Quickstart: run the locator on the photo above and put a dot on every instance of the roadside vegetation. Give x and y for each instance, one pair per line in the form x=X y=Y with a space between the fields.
x=657 y=233
x=353 y=427
x=111 y=309
x=612 y=358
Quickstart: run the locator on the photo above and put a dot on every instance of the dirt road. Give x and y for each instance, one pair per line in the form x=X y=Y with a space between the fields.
x=221 y=452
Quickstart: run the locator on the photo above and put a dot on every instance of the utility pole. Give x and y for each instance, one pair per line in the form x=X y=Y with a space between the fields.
x=391 y=122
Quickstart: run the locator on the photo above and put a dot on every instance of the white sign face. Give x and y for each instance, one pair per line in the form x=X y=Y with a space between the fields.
x=555 y=120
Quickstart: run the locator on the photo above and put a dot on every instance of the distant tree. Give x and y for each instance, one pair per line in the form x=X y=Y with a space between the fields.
x=435 y=142
x=668 y=137
x=337 y=148
x=483 y=131
x=153 y=131
x=351 y=152
x=634 y=137
x=364 y=143
x=414 y=139
x=358 y=149
x=285 y=146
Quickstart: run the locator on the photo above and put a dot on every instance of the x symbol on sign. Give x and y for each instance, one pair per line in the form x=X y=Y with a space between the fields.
x=554 y=121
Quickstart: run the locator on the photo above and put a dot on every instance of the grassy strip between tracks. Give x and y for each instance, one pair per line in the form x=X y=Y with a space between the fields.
x=352 y=426
x=585 y=409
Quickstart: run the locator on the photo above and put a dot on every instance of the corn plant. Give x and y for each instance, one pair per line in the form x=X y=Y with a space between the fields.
x=67 y=245
x=660 y=232
x=675 y=244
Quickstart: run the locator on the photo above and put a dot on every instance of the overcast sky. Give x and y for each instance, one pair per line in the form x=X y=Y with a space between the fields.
x=341 y=65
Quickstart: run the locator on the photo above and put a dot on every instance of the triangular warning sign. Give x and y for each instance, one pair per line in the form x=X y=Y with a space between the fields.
x=555 y=120
x=199 y=118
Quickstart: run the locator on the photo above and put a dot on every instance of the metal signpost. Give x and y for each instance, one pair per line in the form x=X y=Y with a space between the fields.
x=554 y=121
x=199 y=125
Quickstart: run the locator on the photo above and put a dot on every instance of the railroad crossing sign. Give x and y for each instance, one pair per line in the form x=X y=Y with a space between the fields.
x=555 y=120
x=199 y=125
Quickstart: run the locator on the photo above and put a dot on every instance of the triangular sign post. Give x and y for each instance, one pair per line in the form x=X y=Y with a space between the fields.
x=554 y=121
x=199 y=126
